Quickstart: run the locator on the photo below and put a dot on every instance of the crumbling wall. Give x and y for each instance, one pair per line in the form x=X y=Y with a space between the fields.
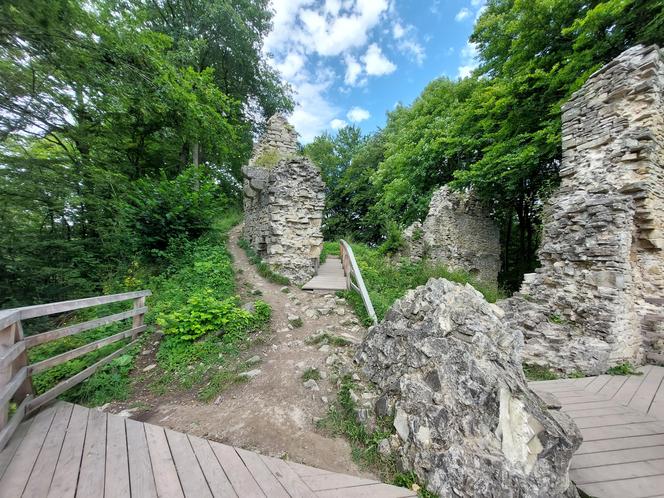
x=449 y=370
x=587 y=307
x=284 y=197
x=458 y=233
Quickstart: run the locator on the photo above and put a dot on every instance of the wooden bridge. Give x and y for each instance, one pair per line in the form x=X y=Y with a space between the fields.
x=62 y=450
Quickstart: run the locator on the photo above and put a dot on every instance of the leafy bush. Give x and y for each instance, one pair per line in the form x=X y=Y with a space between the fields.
x=623 y=369
x=160 y=211
x=394 y=241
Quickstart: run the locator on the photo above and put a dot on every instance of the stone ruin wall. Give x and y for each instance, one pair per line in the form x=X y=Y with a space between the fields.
x=458 y=233
x=284 y=198
x=590 y=305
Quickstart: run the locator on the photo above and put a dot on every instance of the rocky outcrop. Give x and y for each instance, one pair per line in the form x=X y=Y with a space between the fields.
x=590 y=305
x=450 y=371
x=458 y=233
x=284 y=197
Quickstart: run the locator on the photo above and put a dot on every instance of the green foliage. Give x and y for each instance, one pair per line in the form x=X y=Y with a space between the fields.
x=624 y=369
x=538 y=372
x=386 y=281
x=268 y=159
x=394 y=241
x=297 y=322
x=311 y=373
x=326 y=338
x=555 y=318
x=262 y=267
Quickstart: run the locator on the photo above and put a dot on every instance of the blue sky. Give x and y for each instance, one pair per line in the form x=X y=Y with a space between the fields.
x=351 y=61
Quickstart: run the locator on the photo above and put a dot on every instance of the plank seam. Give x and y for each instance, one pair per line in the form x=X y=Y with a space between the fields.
x=41 y=447
x=619 y=464
x=620 y=479
x=59 y=450
x=643 y=378
x=659 y=386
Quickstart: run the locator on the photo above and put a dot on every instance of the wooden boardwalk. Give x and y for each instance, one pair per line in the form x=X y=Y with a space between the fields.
x=622 y=422
x=67 y=450
x=330 y=277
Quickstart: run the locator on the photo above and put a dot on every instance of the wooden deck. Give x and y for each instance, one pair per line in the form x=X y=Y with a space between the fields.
x=622 y=422
x=67 y=450
x=330 y=277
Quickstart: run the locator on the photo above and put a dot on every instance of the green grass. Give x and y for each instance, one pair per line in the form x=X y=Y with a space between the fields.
x=538 y=372
x=386 y=282
x=311 y=373
x=341 y=420
x=262 y=267
x=325 y=338
x=297 y=323
x=624 y=369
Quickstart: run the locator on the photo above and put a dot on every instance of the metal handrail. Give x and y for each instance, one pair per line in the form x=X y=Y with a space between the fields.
x=351 y=270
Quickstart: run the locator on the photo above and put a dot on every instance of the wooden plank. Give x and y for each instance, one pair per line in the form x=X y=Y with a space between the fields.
x=19 y=469
x=75 y=353
x=65 y=477
x=93 y=465
x=377 y=490
x=11 y=353
x=620 y=443
x=625 y=488
x=76 y=304
x=12 y=386
x=646 y=392
x=141 y=478
x=598 y=383
x=560 y=382
x=17 y=418
x=190 y=473
x=76 y=379
x=335 y=481
x=588 y=405
x=617 y=431
x=7 y=454
x=41 y=478
x=163 y=467
x=51 y=335
x=238 y=474
x=599 y=412
x=623 y=470
x=629 y=388
x=657 y=406
x=117 y=461
x=580 y=400
x=268 y=483
x=612 y=420
x=219 y=484
x=288 y=478
x=305 y=470
x=613 y=386
x=618 y=456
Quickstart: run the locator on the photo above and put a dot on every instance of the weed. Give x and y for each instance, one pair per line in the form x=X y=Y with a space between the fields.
x=538 y=372
x=311 y=373
x=326 y=338
x=555 y=318
x=296 y=323
x=262 y=268
x=623 y=369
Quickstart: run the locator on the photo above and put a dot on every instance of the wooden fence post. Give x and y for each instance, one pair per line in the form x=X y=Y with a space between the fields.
x=138 y=320
x=9 y=336
x=6 y=342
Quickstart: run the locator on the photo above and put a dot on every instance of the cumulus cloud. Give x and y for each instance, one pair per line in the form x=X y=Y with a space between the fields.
x=398 y=31
x=468 y=60
x=337 y=124
x=357 y=114
x=375 y=63
x=353 y=70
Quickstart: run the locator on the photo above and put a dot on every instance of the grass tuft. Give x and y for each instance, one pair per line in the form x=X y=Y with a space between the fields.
x=262 y=267
x=311 y=373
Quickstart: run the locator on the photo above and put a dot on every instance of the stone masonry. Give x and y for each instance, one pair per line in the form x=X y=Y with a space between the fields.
x=284 y=197
x=448 y=369
x=458 y=233
x=591 y=304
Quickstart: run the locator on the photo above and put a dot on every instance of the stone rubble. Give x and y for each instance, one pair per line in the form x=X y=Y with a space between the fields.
x=449 y=370
x=284 y=197
x=457 y=232
x=591 y=304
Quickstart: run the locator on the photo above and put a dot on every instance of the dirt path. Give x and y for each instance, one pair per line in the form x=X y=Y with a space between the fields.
x=274 y=413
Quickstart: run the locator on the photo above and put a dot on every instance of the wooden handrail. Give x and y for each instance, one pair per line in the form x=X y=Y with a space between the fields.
x=352 y=271
x=16 y=373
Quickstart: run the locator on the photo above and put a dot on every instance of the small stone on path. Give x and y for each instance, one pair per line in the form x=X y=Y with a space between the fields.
x=149 y=367
x=250 y=374
x=312 y=384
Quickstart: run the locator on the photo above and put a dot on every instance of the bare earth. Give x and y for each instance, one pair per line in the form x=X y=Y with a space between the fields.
x=273 y=413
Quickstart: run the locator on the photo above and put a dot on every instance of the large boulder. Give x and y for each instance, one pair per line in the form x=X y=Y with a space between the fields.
x=450 y=371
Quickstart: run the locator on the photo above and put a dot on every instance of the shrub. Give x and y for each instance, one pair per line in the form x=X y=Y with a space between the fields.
x=394 y=241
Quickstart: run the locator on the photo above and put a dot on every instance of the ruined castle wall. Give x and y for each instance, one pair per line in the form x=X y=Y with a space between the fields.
x=602 y=259
x=283 y=204
x=457 y=232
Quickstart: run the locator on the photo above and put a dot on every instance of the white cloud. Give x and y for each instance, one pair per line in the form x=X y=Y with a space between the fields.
x=435 y=7
x=291 y=65
x=337 y=124
x=477 y=3
x=468 y=60
x=353 y=70
x=413 y=49
x=398 y=31
x=376 y=64
x=463 y=14
x=357 y=114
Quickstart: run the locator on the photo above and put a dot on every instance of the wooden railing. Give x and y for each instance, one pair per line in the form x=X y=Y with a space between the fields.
x=354 y=280
x=16 y=373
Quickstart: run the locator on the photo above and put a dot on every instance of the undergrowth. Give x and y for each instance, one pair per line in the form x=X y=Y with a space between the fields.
x=262 y=267
x=624 y=369
x=311 y=374
x=386 y=281
x=538 y=372
x=341 y=420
